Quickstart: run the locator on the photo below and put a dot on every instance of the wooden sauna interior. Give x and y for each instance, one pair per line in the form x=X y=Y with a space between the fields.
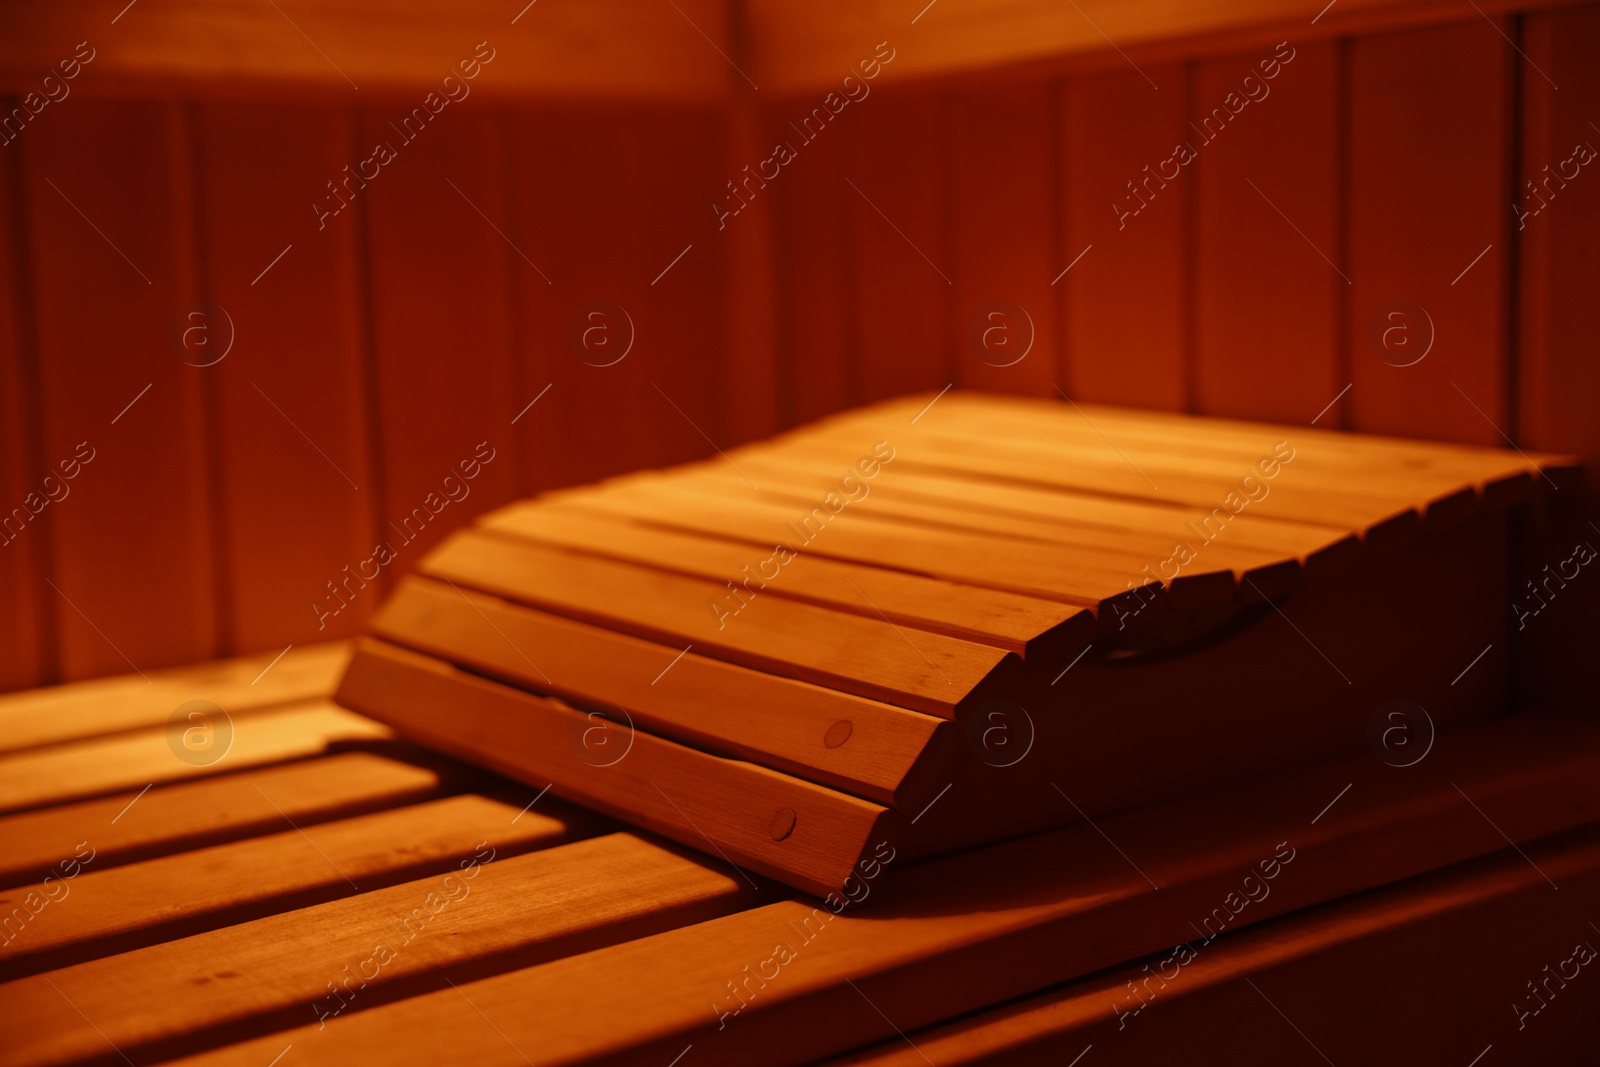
x=507 y=289
x=1388 y=160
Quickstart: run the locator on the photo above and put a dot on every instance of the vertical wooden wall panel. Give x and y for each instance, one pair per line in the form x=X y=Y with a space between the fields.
x=1007 y=240
x=750 y=297
x=903 y=300
x=1203 y=288
x=618 y=209
x=113 y=270
x=24 y=655
x=1558 y=365
x=297 y=491
x=1125 y=299
x=441 y=324
x=1429 y=117
x=541 y=357
x=1267 y=302
x=815 y=270
x=1559 y=233
x=677 y=279
x=608 y=411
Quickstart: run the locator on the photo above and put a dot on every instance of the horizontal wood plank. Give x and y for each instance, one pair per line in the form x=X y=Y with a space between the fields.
x=797 y=49
x=805 y=834
x=923 y=671
x=80 y=769
x=777 y=722
x=973 y=930
x=618 y=50
x=130 y=702
x=159 y=900
x=304 y=965
x=176 y=817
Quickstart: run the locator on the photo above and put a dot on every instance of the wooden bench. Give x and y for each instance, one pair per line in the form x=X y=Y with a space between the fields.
x=785 y=843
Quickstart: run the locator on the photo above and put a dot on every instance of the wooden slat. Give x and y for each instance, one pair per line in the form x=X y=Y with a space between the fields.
x=1185 y=453
x=805 y=834
x=1096 y=577
x=290 y=395
x=1500 y=475
x=130 y=702
x=1088 y=515
x=665 y=690
x=1428 y=195
x=1265 y=570
x=175 y=817
x=85 y=768
x=1383 y=519
x=162 y=900
x=923 y=671
x=178 y=47
x=977 y=929
x=283 y=969
x=1444 y=486
x=1028 y=626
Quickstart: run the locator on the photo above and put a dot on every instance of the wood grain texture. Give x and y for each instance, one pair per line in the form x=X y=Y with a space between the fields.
x=1445 y=482
x=777 y=722
x=86 y=768
x=926 y=672
x=805 y=834
x=1025 y=625
x=130 y=702
x=278 y=970
x=980 y=928
x=171 y=818
x=160 y=900
x=1094 y=575
x=1367 y=508
x=800 y=484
